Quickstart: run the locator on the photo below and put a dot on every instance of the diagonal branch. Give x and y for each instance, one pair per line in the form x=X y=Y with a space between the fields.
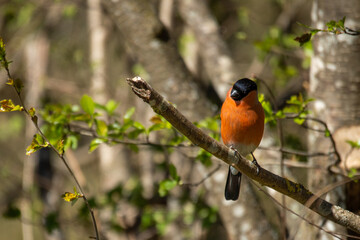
x=291 y=189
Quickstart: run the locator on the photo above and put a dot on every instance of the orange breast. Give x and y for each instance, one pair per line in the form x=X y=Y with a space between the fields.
x=242 y=122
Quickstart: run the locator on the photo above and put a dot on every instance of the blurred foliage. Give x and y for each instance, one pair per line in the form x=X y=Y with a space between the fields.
x=276 y=47
x=51 y=222
x=11 y=212
x=64 y=125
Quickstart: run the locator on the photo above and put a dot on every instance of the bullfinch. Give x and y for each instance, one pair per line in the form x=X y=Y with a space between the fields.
x=242 y=127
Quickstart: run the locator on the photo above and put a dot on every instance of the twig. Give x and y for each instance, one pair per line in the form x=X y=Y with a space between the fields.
x=295 y=152
x=34 y=121
x=204 y=179
x=333 y=143
x=291 y=189
x=92 y=133
x=301 y=217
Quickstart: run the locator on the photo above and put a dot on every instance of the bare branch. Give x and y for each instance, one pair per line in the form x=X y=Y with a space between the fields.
x=291 y=189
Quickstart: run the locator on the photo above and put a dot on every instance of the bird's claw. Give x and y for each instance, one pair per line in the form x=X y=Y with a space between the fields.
x=237 y=154
x=256 y=164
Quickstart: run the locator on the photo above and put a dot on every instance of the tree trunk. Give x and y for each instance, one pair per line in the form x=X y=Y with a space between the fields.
x=335 y=84
x=150 y=44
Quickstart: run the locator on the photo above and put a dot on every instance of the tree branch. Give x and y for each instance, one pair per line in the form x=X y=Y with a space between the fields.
x=291 y=189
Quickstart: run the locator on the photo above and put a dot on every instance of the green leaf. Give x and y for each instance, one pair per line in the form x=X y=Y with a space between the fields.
x=135 y=133
x=280 y=114
x=331 y=25
x=129 y=113
x=354 y=144
x=204 y=157
x=71 y=141
x=94 y=144
x=165 y=186
x=101 y=128
x=111 y=107
x=138 y=125
x=352 y=173
x=87 y=104
x=37 y=143
x=299 y=121
x=341 y=23
x=269 y=115
x=327 y=133
x=155 y=127
x=173 y=172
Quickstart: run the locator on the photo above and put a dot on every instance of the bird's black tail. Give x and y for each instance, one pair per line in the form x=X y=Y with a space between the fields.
x=232 y=187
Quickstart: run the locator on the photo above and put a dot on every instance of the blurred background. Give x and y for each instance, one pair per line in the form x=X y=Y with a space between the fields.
x=143 y=179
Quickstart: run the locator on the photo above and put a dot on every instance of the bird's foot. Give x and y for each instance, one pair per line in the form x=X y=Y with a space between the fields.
x=256 y=164
x=237 y=154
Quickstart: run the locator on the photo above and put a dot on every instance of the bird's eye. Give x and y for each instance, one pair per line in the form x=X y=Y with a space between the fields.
x=235 y=95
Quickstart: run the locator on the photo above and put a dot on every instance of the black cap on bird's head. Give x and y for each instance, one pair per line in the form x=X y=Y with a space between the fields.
x=242 y=88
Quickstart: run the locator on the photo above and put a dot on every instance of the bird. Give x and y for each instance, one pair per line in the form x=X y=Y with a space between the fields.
x=242 y=127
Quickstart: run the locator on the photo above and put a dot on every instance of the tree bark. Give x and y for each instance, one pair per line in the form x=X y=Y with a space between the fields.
x=150 y=44
x=335 y=84
x=215 y=56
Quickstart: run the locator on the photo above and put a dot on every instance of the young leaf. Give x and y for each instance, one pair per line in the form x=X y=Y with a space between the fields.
x=71 y=141
x=327 y=133
x=173 y=172
x=354 y=144
x=10 y=82
x=353 y=173
x=135 y=133
x=87 y=104
x=129 y=113
x=7 y=105
x=32 y=112
x=101 y=128
x=60 y=146
x=110 y=106
x=331 y=25
x=95 y=143
x=299 y=121
x=71 y=197
x=165 y=186
x=37 y=143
